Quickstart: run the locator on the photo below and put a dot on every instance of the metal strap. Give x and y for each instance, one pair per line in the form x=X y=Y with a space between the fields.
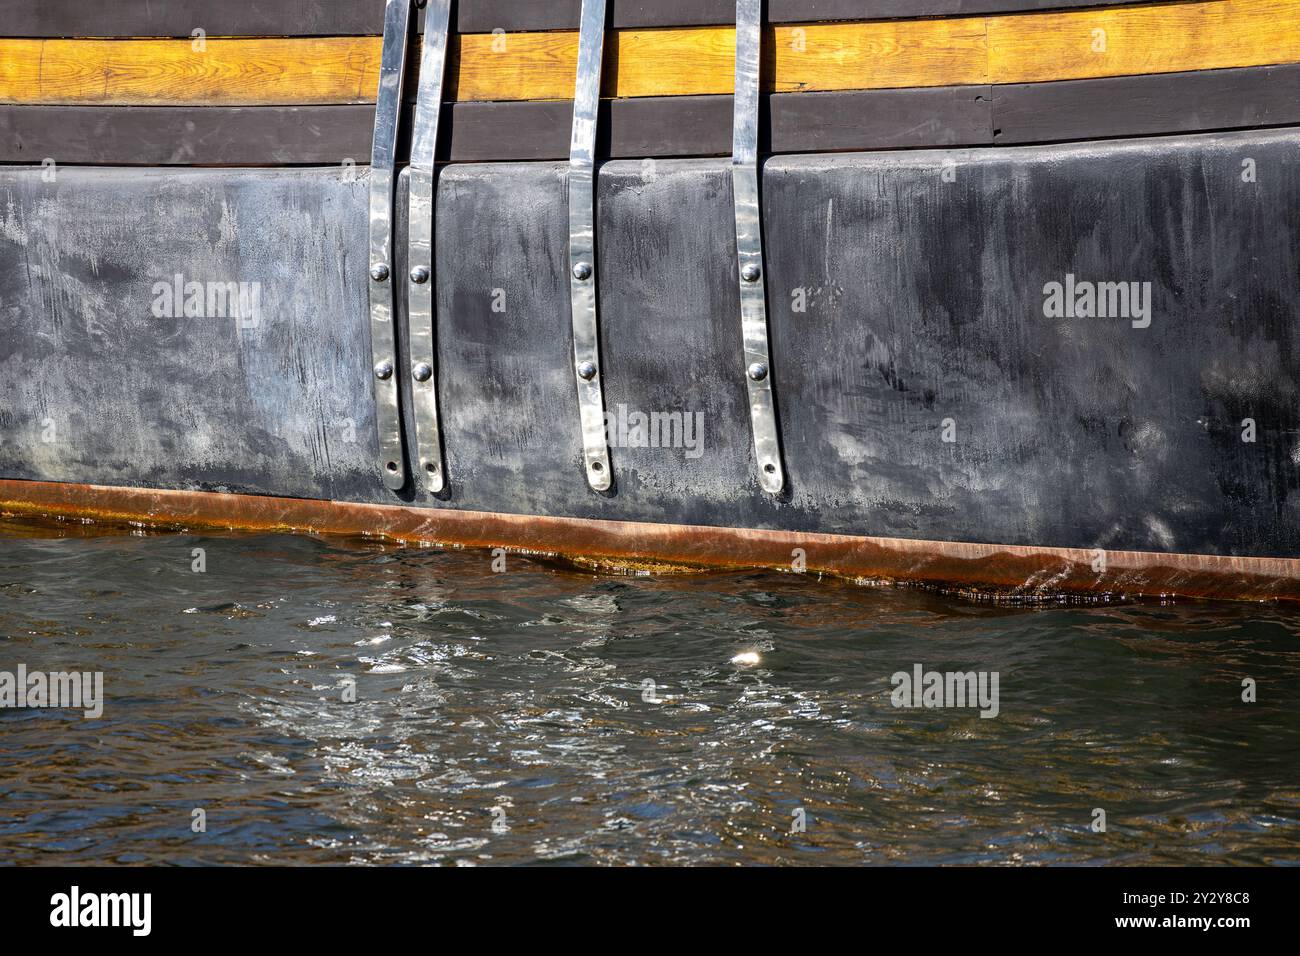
x=582 y=244
x=383 y=341
x=424 y=140
x=749 y=244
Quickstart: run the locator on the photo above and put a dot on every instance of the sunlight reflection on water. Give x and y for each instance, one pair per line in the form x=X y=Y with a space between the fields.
x=549 y=714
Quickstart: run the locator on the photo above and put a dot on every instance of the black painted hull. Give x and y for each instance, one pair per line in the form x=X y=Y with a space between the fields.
x=924 y=392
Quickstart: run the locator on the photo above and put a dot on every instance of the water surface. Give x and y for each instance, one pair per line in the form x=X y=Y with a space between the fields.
x=507 y=718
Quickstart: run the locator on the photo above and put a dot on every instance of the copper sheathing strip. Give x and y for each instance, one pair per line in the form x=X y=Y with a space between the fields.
x=1009 y=570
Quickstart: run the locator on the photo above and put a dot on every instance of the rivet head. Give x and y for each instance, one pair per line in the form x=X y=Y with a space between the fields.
x=758 y=371
x=419 y=275
x=587 y=371
x=421 y=372
x=582 y=271
x=379 y=271
x=750 y=272
x=384 y=370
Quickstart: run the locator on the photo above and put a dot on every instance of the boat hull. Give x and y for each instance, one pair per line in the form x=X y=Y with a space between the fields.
x=927 y=390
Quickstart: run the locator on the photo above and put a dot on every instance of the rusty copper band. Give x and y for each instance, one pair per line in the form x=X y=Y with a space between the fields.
x=1012 y=570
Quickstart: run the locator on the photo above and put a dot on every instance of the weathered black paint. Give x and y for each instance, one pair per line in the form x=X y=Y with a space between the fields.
x=924 y=296
x=126 y=397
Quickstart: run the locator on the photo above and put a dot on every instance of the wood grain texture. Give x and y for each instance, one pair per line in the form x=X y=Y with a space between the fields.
x=178 y=18
x=187 y=136
x=226 y=72
x=1023 y=48
x=1158 y=39
x=700 y=60
x=1104 y=108
x=1163 y=38
x=701 y=125
x=483 y=16
x=1244 y=98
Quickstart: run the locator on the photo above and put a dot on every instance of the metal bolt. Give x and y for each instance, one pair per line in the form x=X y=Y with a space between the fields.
x=384 y=370
x=750 y=272
x=419 y=275
x=379 y=271
x=758 y=371
x=587 y=371
x=421 y=372
x=582 y=271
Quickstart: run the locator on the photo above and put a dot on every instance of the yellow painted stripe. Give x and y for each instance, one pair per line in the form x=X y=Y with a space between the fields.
x=824 y=56
x=1019 y=48
x=1169 y=38
x=226 y=72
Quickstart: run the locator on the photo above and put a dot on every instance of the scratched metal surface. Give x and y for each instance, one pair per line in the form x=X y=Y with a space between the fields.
x=923 y=302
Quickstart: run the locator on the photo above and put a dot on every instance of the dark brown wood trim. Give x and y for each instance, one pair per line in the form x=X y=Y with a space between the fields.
x=1003 y=569
x=889 y=119
x=1106 y=108
x=178 y=18
x=701 y=125
x=184 y=136
x=484 y=16
x=1147 y=105
x=669 y=126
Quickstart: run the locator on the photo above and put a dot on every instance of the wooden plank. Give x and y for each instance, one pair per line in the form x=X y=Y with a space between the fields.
x=230 y=72
x=893 y=119
x=680 y=61
x=668 y=126
x=179 y=18
x=699 y=60
x=880 y=119
x=480 y=132
x=237 y=18
x=898 y=54
x=1140 y=40
x=484 y=16
x=185 y=136
x=1147 y=105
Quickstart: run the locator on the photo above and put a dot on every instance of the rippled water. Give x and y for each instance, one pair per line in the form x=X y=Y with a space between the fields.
x=503 y=717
